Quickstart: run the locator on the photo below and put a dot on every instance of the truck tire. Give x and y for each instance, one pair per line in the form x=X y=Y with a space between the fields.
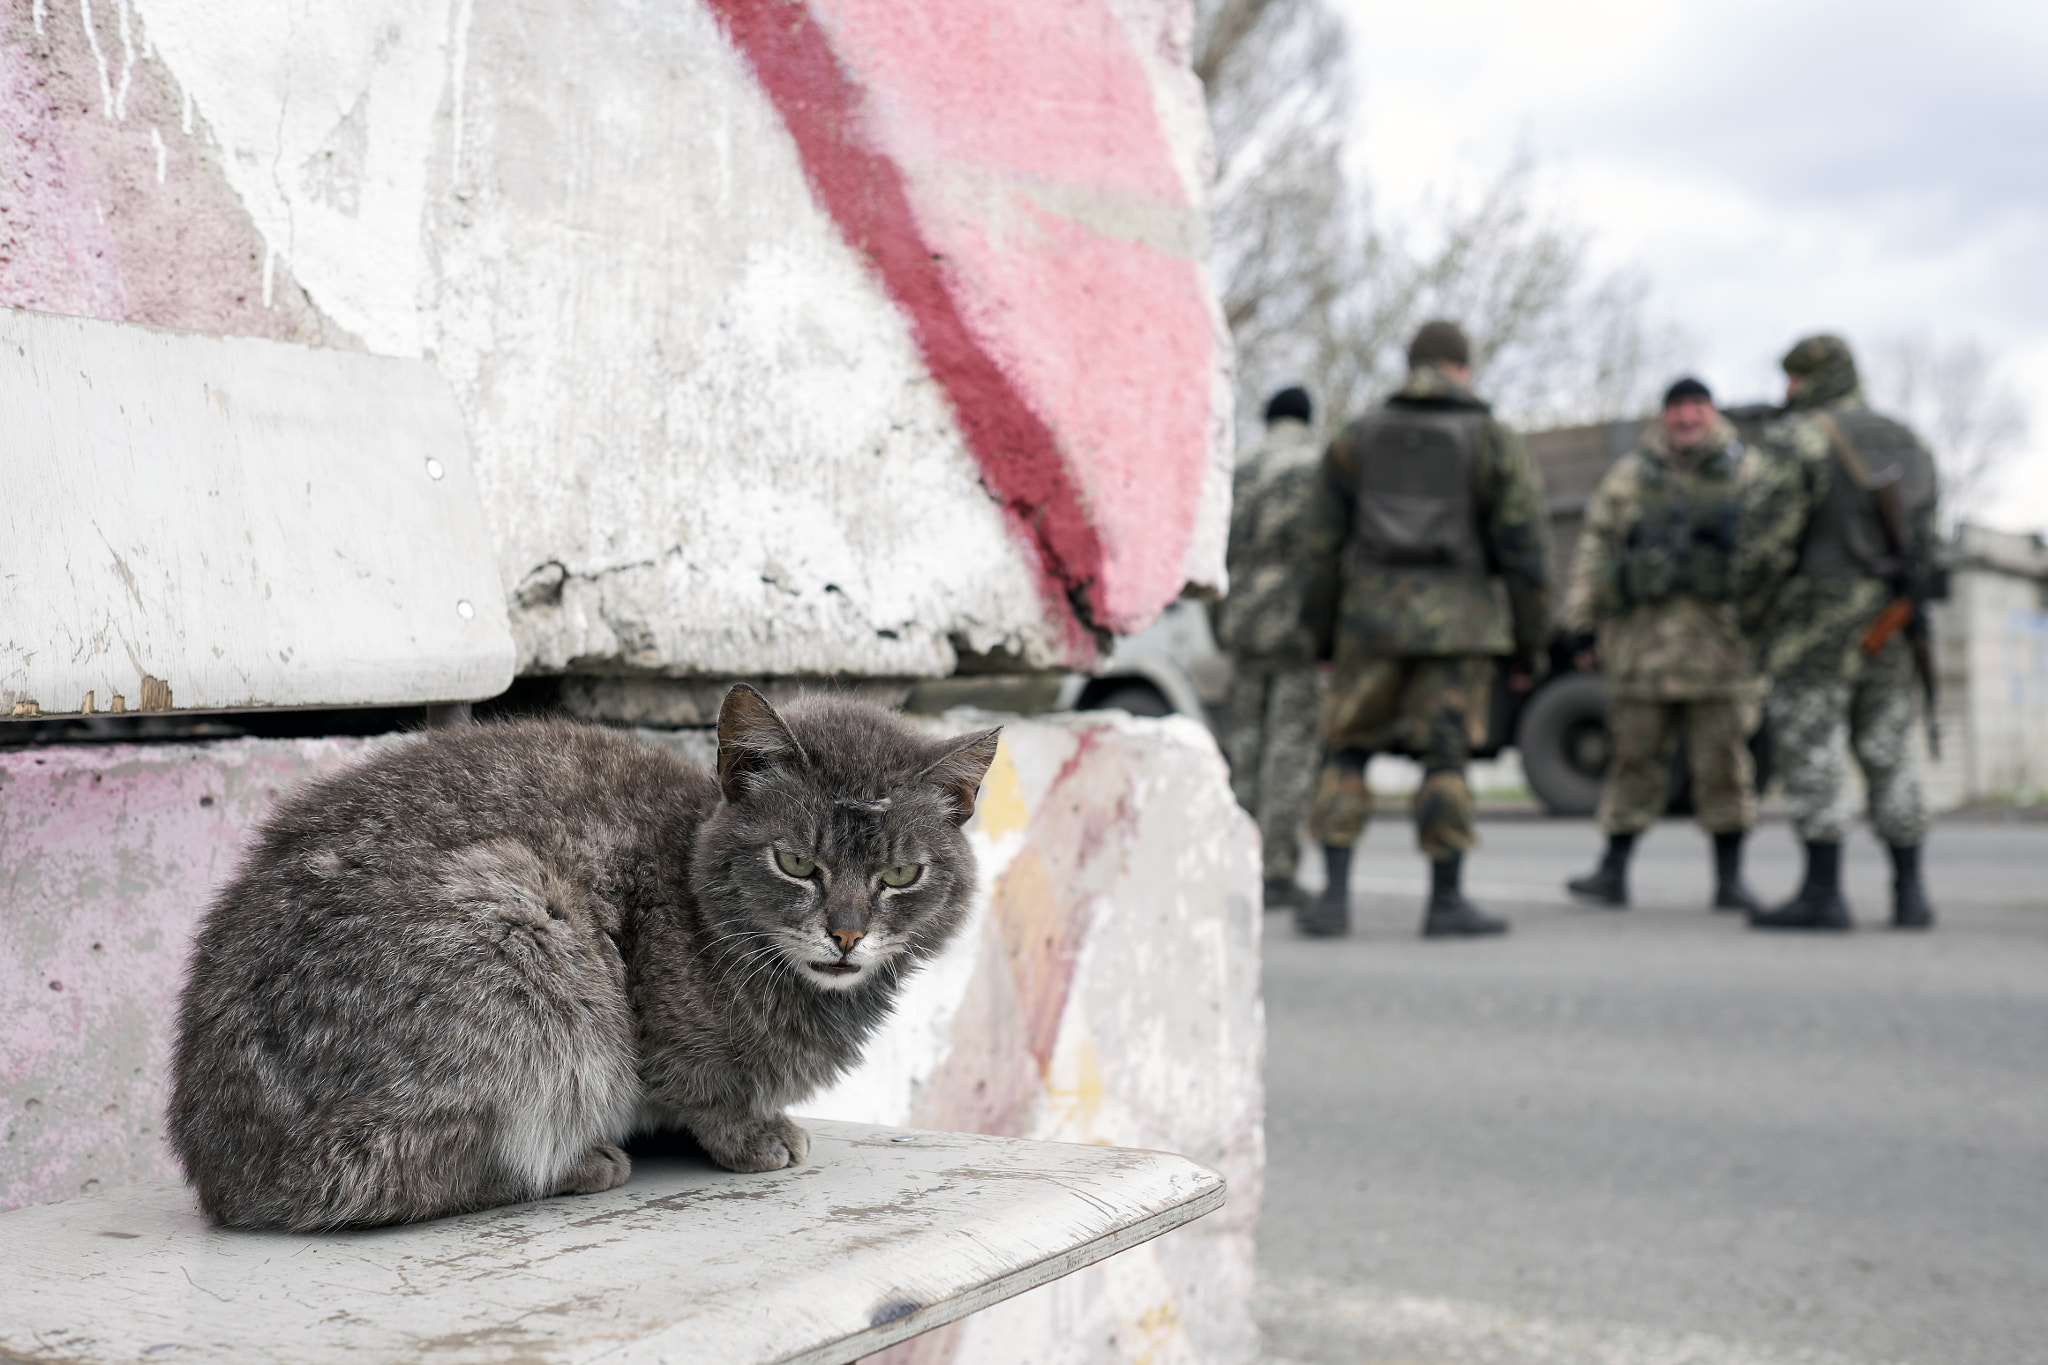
x=1565 y=744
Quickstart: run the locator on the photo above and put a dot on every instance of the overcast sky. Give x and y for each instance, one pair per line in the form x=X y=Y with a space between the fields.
x=1877 y=169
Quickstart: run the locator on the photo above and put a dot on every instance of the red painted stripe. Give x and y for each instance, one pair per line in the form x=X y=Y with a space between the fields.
x=865 y=192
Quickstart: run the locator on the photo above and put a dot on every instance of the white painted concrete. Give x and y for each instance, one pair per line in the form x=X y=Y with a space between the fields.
x=706 y=440
x=1159 y=1037
x=326 y=116
x=1992 y=637
x=881 y=1234
x=202 y=522
x=719 y=427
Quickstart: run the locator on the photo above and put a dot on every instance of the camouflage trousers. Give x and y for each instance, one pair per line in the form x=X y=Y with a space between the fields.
x=1269 y=736
x=1432 y=708
x=1815 y=726
x=1646 y=735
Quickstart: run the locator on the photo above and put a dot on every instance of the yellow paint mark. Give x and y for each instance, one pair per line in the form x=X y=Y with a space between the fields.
x=1075 y=1086
x=26 y=710
x=119 y=705
x=85 y=707
x=156 y=694
x=1028 y=914
x=1001 y=809
x=1160 y=1324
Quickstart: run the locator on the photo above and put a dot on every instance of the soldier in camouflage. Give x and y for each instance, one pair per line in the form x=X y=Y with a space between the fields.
x=1651 y=577
x=1269 y=729
x=1816 y=569
x=1429 y=559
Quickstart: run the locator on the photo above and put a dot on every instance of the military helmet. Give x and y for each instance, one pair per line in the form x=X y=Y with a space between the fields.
x=1816 y=353
x=1825 y=368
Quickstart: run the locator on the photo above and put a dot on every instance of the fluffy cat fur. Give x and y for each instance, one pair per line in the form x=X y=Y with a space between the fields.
x=463 y=972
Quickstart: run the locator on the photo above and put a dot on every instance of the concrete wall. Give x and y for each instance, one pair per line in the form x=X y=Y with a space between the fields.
x=1992 y=636
x=792 y=338
x=1105 y=990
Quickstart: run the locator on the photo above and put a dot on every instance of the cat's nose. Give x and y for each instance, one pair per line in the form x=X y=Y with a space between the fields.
x=847 y=938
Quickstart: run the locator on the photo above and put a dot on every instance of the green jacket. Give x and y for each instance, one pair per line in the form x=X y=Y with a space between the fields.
x=1810 y=628
x=1687 y=645
x=1272 y=503
x=1355 y=608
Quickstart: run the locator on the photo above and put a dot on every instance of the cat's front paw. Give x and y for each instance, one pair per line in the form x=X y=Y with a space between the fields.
x=757 y=1145
x=603 y=1167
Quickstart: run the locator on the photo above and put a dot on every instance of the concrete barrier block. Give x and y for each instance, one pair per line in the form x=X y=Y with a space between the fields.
x=793 y=338
x=108 y=855
x=1106 y=990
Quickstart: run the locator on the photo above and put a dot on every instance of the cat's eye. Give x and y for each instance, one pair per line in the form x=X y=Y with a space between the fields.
x=904 y=875
x=799 y=868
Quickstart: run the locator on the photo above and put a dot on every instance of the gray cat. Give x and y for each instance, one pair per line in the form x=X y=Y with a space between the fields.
x=463 y=972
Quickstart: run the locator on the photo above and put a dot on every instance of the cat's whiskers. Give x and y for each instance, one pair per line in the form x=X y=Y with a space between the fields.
x=749 y=962
x=917 y=937
x=767 y=964
x=775 y=954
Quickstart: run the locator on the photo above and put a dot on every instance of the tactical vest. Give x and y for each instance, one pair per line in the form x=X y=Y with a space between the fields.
x=1680 y=543
x=1845 y=537
x=1413 y=495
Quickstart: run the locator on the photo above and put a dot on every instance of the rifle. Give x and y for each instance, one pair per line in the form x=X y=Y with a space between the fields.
x=1908 y=610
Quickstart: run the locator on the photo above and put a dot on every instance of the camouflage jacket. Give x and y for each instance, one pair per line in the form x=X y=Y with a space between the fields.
x=1810 y=629
x=1272 y=499
x=1679 y=648
x=1358 y=609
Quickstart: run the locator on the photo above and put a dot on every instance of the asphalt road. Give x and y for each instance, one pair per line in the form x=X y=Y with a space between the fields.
x=1654 y=1137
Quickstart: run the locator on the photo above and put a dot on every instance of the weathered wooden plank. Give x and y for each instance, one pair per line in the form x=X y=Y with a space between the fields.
x=200 y=522
x=882 y=1234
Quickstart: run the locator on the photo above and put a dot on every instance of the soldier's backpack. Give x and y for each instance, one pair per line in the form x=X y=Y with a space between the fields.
x=1413 y=491
x=1845 y=537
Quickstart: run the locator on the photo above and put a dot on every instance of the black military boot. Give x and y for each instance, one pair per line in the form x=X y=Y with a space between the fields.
x=1729 y=891
x=1282 y=894
x=1607 y=884
x=1819 y=904
x=1329 y=914
x=1910 y=909
x=1449 y=914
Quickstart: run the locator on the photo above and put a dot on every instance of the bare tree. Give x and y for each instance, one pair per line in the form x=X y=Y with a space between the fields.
x=1319 y=289
x=1950 y=393
x=1282 y=216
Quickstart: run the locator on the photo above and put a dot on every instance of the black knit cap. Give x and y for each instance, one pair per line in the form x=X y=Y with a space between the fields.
x=1292 y=401
x=1685 y=388
x=1440 y=341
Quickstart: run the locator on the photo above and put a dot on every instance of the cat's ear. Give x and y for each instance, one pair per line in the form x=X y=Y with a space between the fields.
x=751 y=737
x=959 y=771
